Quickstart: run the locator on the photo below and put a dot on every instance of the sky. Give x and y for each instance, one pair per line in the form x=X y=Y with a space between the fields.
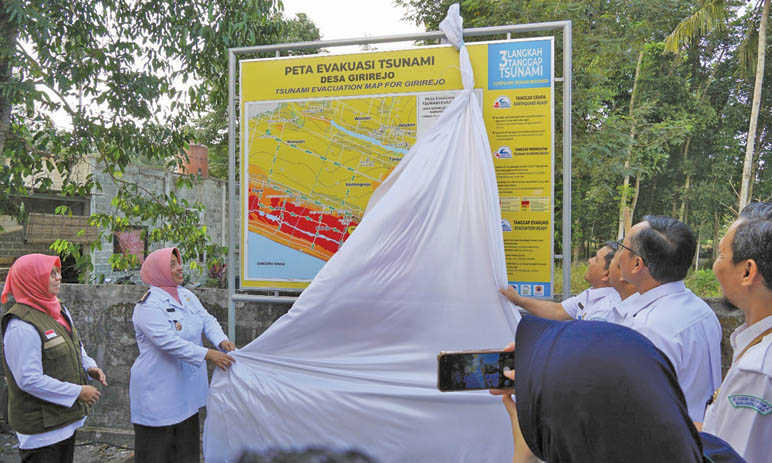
x=346 y=19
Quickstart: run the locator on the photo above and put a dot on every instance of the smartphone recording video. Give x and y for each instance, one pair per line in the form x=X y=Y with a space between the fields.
x=470 y=370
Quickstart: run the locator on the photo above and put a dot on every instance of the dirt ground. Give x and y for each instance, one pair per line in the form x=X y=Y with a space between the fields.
x=84 y=452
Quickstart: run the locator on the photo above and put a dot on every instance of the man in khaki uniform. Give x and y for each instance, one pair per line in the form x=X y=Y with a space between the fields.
x=741 y=412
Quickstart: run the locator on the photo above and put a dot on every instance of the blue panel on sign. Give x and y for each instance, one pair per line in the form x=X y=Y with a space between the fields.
x=525 y=64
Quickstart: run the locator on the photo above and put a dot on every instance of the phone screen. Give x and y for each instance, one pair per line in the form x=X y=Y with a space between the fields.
x=468 y=370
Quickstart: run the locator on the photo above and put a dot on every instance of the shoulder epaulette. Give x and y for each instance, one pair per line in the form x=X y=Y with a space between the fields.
x=144 y=297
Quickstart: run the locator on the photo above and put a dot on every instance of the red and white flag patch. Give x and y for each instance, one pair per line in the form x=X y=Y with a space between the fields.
x=50 y=334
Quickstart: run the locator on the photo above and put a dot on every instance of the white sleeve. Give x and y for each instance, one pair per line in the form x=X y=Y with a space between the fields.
x=212 y=327
x=88 y=362
x=574 y=305
x=689 y=352
x=149 y=321
x=22 y=350
x=746 y=415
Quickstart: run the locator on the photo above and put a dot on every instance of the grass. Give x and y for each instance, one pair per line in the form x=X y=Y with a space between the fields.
x=702 y=282
x=578 y=284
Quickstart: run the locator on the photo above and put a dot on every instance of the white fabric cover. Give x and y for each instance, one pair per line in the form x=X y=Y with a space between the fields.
x=353 y=364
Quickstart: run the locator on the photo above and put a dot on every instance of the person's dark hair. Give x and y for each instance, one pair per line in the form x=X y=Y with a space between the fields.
x=753 y=238
x=667 y=245
x=309 y=455
x=628 y=386
x=612 y=245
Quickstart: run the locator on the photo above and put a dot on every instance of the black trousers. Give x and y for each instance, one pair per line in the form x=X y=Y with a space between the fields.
x=60 y=452
x=177 y=443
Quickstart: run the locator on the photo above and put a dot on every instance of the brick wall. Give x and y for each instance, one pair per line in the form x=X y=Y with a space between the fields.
x=208 y=191
x=13 y=245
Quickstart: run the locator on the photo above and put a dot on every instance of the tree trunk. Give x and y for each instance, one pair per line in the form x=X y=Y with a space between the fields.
x=697 y=252
x=629 y=218
x=701 y=92
x=716 y=237
x=755 y=105
x=687 y=182
x=755 y=162
x=8 y=33
x=626 y=183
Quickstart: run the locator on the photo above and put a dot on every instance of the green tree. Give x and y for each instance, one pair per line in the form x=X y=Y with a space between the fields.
x=709 y=16
x=674 y=125
x=618 y=131
x=115 y=68
x=212 y=128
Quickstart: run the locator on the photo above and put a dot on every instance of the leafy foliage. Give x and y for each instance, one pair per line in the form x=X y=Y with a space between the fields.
x=140 y=71
x=212 y=128
x=682 y=132
x=703 y=283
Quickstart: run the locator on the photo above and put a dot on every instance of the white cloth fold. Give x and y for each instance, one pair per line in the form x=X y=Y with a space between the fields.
x=353 y=364
x=453 y=28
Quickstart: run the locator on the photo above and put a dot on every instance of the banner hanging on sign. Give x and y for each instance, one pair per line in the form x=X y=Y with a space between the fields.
x=320 y=134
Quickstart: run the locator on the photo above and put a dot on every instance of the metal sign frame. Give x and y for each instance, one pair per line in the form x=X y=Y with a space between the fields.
x=233 y=100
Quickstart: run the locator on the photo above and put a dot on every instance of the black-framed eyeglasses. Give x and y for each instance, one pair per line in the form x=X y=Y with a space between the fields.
x=621 y=244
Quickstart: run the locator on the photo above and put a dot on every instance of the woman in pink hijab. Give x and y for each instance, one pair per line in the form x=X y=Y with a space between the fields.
x=169 y=381
x=45 y=364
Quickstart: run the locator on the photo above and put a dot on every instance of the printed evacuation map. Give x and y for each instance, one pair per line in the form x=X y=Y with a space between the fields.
x=314 y=164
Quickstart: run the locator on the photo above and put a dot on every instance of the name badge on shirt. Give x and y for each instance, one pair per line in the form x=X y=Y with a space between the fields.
x=53 y=343
x=50 y=334
x=749 y=401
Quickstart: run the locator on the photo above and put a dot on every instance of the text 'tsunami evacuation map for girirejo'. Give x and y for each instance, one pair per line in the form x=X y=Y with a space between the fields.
x=320 y=133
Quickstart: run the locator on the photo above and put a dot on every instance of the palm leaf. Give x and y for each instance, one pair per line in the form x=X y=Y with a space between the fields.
x=711 y=15
x=747 y=51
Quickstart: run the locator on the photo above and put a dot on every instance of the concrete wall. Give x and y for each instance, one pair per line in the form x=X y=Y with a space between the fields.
x=730 y=319
x=102 y=315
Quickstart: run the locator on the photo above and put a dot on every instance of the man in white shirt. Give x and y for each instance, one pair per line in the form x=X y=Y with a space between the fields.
x=600 y=293
x=654 y=258
x=741 y=412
